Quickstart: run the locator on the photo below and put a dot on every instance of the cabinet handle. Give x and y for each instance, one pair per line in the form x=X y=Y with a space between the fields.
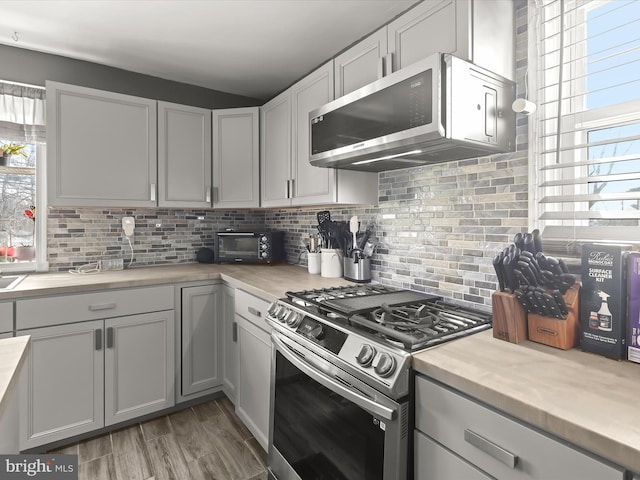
x=153 y=192
x=102 y=306
x=381 y=67
x=98 y=339
x=208 y=195
x=234 y=332
x=388 y=64
x=255 y=312
x=286 y=192
x=215 y=195
x=110 y=337
x=291 y=188
x=490 y=448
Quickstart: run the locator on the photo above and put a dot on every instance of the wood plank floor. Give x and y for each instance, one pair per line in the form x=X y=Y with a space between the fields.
x=203 y=442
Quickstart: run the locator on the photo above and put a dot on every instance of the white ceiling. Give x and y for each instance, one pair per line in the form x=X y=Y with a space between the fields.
x=254 y=48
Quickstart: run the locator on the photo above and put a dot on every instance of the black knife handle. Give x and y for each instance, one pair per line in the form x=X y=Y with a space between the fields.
x=562 y=306
x=528 y=244
x=537 y=241
x=497 y=265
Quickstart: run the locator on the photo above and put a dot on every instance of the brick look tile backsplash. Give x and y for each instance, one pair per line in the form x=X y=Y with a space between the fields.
x=437 y=227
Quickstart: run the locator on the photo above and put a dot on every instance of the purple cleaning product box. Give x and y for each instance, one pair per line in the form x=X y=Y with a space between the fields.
x=633 y=309
x=603 y=299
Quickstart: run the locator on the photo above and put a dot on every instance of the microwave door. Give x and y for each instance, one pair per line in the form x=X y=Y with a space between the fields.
x=380 y=120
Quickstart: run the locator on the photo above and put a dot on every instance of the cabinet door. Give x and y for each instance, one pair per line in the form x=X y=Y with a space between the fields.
x=101 y=148
x=311 y=185
x=236 y=167
x=361 y=64
x=184 y=156
x=139 y=365
x=63 y=392
x=229 y=344
x=254 y=349
x=275 y=151
x=433 y=26
x=434 y=462
x=200 y=338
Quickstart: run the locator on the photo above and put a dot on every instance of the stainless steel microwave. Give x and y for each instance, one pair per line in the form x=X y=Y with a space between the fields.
x=248 y=247
x=439 y=109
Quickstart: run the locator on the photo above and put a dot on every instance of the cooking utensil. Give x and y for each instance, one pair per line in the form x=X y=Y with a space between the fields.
x=323 y=216
x=354 y=227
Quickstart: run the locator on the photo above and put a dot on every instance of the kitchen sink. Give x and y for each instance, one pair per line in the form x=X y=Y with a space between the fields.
x=7 y=282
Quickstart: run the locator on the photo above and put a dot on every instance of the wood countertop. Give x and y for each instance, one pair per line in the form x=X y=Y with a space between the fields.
x=584 y=398
x=267 y=281
x=13 y=352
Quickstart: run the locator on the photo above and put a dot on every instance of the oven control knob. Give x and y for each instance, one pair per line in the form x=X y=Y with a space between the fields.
x=365 y=355
x=384 y=365
x=280 y=314
x=273 y=308
x=293 y=319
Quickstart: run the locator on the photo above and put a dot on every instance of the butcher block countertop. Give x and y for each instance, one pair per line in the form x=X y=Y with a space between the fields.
x=267 y=281
x=589 y=400
x=13 y=352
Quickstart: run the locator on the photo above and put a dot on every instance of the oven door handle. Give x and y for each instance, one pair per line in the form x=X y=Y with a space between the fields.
x=352 y=395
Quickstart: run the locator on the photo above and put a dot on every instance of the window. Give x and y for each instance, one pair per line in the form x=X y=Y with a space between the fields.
x=22 y=210
x=586 y=133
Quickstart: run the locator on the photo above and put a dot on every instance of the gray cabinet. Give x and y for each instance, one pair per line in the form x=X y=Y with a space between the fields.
x=200 y=372
x=6 y=317
x=139 y=365
x=487 y=442
x=361 y=64
x=101 y=148
x=480 y=31
x=275 y=151
x=236 y=158
x=254 y=365
x=63 y=392
x=96 y=359
x=288 y=179
x=184 y=156
x=229 y=344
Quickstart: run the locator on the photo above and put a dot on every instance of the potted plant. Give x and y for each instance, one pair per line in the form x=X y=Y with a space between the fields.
x=27 y=253
x=9 y=149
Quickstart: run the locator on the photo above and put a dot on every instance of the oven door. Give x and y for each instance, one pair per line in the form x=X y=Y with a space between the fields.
x=325 y=423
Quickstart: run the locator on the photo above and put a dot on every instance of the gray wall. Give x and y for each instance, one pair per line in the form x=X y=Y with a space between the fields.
x=437 y=227
x=34 y=68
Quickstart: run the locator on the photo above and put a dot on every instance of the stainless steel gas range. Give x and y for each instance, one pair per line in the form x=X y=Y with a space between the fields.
x=341 y=378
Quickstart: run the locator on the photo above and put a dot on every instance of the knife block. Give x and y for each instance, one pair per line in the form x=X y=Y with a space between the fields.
x=509 y=318
x=557 y=332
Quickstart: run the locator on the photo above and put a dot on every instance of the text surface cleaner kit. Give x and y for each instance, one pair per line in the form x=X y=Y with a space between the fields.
x=603 y=300
x=633 y=293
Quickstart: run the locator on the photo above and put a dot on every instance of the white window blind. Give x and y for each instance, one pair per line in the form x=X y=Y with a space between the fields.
x=586 y=131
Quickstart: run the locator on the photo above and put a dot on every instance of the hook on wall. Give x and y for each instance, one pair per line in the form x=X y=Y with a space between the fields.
x=15 y=36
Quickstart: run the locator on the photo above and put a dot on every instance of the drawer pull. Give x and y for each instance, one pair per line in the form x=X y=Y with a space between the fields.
x=255 y=312
x=234 y=332
x=102 y=306
x=98 y=339
x=110 y=337
x=490 y=448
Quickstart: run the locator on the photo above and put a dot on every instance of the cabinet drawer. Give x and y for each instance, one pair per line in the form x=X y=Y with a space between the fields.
x=499 y=446
x=42 y=312
x=252 y=308
x=432 y=461
x=6 y=317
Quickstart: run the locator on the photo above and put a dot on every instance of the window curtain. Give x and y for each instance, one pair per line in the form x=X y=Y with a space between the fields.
x=586 y=145
x=22 y=113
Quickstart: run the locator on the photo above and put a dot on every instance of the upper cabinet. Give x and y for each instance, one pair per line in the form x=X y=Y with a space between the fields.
x=288 y=179
x=236 y=167
x=101 y=148
x=480 y=31
x=184 y=156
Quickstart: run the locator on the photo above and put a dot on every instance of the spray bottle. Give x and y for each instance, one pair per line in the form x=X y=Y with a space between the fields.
x=604 y=314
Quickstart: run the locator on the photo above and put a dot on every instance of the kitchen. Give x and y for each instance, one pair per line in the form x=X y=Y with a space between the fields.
x=420 y=248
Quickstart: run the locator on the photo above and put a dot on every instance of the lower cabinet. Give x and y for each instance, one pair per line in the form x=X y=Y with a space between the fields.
x=457 y=437
x=200 y=334
x=83 y=376
x=229 y=344
x=254 y=365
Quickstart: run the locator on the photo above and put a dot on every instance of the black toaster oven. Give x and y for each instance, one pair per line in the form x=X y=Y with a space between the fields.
x=249 y=247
